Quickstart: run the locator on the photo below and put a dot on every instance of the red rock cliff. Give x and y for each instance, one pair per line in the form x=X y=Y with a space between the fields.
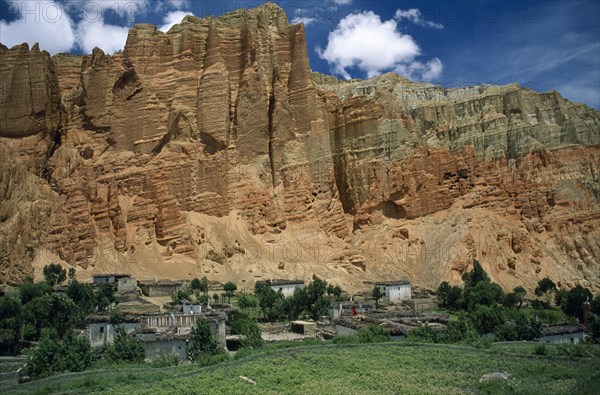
x=213 y=150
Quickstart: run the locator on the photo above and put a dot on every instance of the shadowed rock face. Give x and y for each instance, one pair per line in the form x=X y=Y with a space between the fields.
x=160 y=159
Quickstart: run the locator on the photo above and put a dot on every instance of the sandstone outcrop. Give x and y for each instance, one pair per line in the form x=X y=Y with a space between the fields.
x=213 y=150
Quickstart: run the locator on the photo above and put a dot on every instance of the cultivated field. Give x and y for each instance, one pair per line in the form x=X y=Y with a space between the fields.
x=350 y=369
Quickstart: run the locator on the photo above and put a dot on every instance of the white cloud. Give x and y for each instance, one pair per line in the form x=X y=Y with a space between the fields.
x=179 y=4
x=414 y=15
x=172 y=18
x=110 y=38
x=123 y=8
x=45 y=22
x=342 y=2
x=363 y=41
x=302 y=16
x=427 y=71
x=307 y=21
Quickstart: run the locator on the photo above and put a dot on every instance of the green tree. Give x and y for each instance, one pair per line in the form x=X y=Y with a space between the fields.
x=54 y=311
x=529 y=328
x=544 y=286
x=83 y=296
x=449 y=296
x=56 y=353
x=335 y=291
x=267 y=298
x=510 y=300
x=315 y=303
x=595 y=328
x=486 y=319
x=520 y=293
x=507 y=332
x=460 y=330
x=204 y=285
x=105 y=296
x=560 y=297
x=246 y=301
x=54 y=274
x=198 y=287
x=29 y=291
x=180 y=295
x=11 y=324
x=71 y=274
x=595 y=305
x=125 y=348
x=241 y=324
x=202 y=343
x=442 y=293
x=515 y=298
x=297 y=304
x=476 y=276
x=229 y=288
x=377 y=294
x=483 y=293
x=573 y=305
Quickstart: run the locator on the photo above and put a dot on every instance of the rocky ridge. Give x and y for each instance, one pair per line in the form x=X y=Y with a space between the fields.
x=213 y=150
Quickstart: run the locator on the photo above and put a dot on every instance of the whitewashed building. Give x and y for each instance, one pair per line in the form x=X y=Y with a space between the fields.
x=286 y=287
x=191 y=307
x=395 y=291
x=563 y=333
x=102 y=332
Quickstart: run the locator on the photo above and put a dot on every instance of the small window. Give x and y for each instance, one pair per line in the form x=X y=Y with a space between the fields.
x=101 y=329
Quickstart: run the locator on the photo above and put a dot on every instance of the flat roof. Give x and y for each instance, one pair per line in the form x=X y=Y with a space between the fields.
x=300 y=322
x=391 y=283
x=562 y=329
x=284 y=282
x=160 y=282
x=117 y=275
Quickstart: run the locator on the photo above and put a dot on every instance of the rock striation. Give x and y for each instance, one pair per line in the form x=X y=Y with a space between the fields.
x=213 y=150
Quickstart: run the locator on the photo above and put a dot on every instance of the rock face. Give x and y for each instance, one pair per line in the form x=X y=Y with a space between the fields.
x=213 y=150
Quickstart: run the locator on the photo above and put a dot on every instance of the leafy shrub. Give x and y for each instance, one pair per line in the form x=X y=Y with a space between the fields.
x=424 y=334
x=211 y=360
x=125 y=348
x=202 y=343
x=540 y=305
x=56 y=354
x=486 y=319
x=482 y=342
x=241 y=324
x=459 y=331
x=540 y=349
x=373 y=334
x=246 y=301
x=164 y=360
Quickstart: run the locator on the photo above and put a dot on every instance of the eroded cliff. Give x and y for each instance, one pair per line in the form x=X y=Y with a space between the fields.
x=213 y=150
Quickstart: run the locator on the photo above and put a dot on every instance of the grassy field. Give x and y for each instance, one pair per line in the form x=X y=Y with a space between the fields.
x=387 y=368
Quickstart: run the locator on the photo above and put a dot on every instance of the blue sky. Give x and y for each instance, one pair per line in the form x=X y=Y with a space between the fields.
x=541 y=44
